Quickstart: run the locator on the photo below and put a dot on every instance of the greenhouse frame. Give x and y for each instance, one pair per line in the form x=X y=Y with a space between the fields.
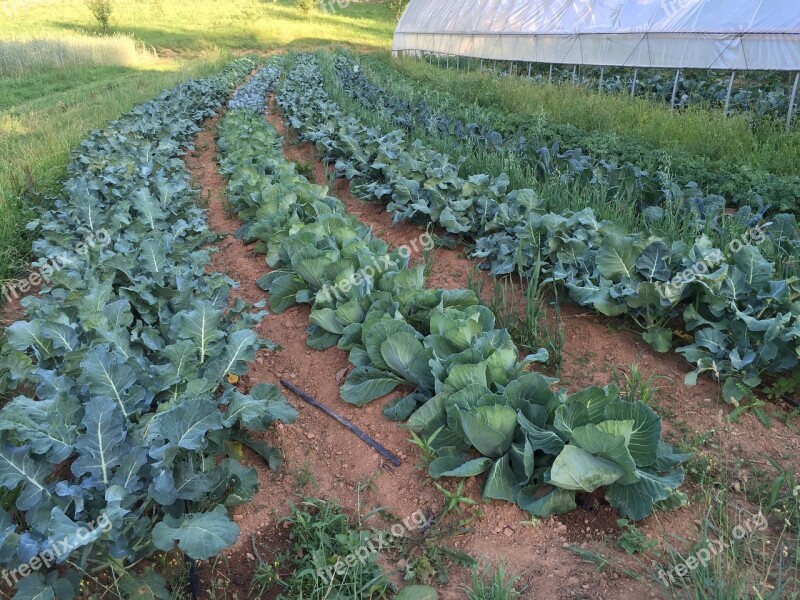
x=739 y=35
x=696 y=34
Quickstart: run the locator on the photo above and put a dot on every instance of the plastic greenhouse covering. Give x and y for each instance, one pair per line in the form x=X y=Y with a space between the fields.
x=704 y=34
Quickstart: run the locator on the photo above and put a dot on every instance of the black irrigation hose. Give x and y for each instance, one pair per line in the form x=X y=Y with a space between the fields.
x=392 y=458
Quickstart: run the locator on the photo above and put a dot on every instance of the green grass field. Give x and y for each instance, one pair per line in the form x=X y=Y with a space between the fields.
x=192 y=25
x=44 y=113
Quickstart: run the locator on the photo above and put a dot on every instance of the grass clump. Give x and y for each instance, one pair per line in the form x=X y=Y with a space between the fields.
x=25 y=56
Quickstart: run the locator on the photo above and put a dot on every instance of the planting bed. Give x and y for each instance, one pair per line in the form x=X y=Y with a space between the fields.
x=146 y=381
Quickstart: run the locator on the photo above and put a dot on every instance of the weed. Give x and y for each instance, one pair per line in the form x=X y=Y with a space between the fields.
x=306 y=169
x=632 y=539
x=101 y=10
x=426 y=446
x=492 y=584
x=453 y=500
x=306 y=6
x=304 y=476
x=397 y=7
x=590 y=556
x=635 y=387
x=750 y=403
x=523 y=313
x=749 y=562
x=780 y=496
x=783 y=386
x=323 y=538
x=265 y=577
x=429 y=258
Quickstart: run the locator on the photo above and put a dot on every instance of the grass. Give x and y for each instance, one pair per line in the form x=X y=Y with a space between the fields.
x=55 y=99
x=21 y=57
x=492 y=584
x=190 y=26
x=697 y=131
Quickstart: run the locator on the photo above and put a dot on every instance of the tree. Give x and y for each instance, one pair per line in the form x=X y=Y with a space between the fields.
x=397 y=7
x=101 y=9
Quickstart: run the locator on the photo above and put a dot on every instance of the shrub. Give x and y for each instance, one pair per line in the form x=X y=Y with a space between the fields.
x=307 y=6
x=101 y=9
x=397 y=7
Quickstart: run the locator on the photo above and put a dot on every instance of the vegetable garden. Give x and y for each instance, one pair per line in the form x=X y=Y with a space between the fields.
x=129 y=397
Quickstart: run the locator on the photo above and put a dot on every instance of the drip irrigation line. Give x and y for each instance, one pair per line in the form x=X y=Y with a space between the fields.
x=392 y=458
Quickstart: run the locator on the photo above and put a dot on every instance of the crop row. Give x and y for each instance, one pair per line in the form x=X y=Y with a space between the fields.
x=745 y=319
x=466 y=390
x=677 y=172
x=557 y=151
x=121 y=440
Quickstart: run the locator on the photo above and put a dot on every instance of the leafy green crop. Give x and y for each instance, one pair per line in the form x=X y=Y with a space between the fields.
x=640 y=175
x=462 y=376
x=745 y=318
x=124 y=414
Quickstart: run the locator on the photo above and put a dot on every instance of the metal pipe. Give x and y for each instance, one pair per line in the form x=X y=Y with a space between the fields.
x=633 y=83
x=674 y=89
x=600 y=85
x=730 y=89
x=511 y=69
x=529 y=69
x=791 y=103
x=575 y=75
x=550 y=79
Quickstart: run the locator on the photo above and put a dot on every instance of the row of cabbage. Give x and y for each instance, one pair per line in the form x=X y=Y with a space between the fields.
x=465 y=389
x=649 y=176
x=745 y=319
x=123 y=437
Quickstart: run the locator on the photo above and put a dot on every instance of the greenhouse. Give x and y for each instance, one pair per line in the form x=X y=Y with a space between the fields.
x=699 y=34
